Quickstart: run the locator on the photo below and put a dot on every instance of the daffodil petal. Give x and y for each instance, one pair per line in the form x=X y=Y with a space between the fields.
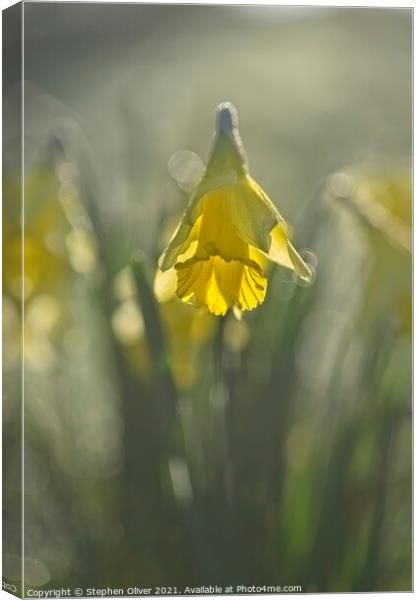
x=165 y=283
x=185 y=233
x=217 y=232
x=252 y=289
x=219 y=284
x=213 y=183
x=300 y=267
x=278 y=250
x=252 y=215
x=283 y=252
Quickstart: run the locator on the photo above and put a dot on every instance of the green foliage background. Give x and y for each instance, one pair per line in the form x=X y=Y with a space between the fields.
x=283 y=456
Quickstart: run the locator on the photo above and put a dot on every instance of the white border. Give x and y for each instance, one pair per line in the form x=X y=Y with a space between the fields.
x=360 y=4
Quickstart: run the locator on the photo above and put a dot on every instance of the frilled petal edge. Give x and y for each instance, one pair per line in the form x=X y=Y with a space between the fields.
x=220 y=285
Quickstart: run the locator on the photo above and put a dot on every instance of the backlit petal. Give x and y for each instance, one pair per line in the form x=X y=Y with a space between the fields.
x=165 y=283
x=219 y=285
x=253 y=214
x=284 y=253
x=184 y=235
x=217 y=233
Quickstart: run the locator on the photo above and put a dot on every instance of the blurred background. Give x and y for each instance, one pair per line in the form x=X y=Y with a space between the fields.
x=164 y=446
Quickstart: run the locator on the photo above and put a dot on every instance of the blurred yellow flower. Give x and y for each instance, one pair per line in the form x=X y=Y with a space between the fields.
x=41 y=320
x=218 y=253
x=380 y=199
x=56 y=237
x=186 y=330
x=379 y=195
x=45 y=227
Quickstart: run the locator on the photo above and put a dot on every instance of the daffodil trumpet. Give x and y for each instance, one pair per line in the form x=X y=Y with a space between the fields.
x=216 y=258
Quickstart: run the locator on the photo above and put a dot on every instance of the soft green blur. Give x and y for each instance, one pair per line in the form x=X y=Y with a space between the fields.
x=164 y=446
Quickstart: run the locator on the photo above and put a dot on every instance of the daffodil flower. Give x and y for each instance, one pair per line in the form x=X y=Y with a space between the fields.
x=217 y=255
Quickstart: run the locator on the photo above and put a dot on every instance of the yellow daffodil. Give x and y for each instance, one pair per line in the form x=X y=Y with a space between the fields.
x=45 y=258
x=230 y=227
x=379 y=195
x=187 y=331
